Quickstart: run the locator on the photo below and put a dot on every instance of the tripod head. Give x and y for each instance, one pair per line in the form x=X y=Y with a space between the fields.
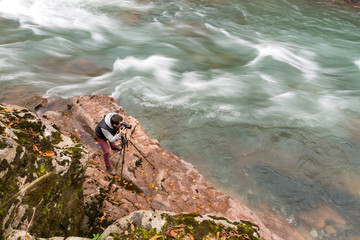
x=124 y=125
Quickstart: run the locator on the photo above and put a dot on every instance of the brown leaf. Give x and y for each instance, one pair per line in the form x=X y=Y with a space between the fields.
x=8 y=110
x=35 y=148
x=49 y=153
x=155 y=237
x=149 y=199
x=191 y=236
x=173 y=233
x=245 y=236
x=179 y=226
x=196 y=211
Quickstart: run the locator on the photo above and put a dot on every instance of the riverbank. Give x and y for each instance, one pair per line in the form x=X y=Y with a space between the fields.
x=174 y=185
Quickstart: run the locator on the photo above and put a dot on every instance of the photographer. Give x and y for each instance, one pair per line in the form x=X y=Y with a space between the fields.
x=108 y=130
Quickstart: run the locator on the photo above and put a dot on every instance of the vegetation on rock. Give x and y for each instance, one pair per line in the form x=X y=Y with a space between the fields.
x=41 y=179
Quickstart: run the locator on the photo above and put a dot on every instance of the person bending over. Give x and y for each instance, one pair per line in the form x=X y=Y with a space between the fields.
x=108 y=131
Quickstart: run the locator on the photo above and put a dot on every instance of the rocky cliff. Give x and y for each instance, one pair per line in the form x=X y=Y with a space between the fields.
x=48 y=191
x=42 y=174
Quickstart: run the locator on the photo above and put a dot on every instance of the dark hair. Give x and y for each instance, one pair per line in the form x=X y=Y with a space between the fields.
x=116 y=119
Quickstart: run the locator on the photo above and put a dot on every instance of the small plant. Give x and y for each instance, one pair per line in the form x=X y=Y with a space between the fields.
x=97 y=237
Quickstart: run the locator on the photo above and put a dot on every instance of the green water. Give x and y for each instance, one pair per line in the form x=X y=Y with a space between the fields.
x=261 y=96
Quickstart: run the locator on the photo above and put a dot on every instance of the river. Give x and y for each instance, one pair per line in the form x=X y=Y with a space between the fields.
x=261 y=96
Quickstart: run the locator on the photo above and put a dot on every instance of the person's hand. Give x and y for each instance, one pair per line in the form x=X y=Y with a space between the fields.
x=122 y=132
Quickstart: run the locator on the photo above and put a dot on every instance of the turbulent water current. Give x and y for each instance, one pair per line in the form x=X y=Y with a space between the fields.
x=261 y=96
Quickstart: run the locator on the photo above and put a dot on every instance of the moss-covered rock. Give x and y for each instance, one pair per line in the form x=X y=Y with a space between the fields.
x=169 y=225
x=41 y=176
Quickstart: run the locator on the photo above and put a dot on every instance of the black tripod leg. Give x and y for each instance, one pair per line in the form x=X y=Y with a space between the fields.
x=123 y=161
x=142 y=154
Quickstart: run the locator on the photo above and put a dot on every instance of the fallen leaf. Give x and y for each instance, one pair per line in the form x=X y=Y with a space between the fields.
x=35 y=148
x=173 y=233
x=155 y=237
x=8 y=110
x=49 y=153
x=179 y=226
x=245 y=236
x=196 y=211
x=191 y=236
x=149 y=199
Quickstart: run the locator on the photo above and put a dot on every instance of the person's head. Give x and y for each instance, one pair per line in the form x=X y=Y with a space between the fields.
x=116 y=120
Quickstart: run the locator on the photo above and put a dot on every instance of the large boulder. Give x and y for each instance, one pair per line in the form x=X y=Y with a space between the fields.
x=167 y=225
x=174 y=185
x=186 y=226
x=41 y=176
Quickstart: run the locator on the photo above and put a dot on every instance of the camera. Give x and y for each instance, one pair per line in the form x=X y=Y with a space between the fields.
x=125 y=125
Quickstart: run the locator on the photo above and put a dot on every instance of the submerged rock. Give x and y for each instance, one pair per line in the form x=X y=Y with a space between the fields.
x=42 y=175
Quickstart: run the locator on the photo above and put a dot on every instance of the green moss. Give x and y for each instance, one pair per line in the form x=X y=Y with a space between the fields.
x=56 y=137
x=41 y=171
x=8 y=186
x=115 y=236
x=138 y=161
x=2 y=129
x=208 y=228
x=74 y=138
x=60 y=208
x=23 y=124
x=144 y=234
x=95 y=210
x=220 y=218
x=58 y=200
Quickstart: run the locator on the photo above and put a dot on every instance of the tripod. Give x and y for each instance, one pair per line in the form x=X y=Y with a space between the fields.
x=124 y=145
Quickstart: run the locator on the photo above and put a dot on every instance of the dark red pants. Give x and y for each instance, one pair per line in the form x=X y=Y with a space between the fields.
x=106 y=150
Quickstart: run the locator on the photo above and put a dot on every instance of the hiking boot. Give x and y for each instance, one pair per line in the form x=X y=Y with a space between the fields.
x=111 y=171
x=116 y=148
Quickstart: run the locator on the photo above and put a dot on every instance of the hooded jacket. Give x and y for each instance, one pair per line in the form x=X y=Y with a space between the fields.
x=106 y=131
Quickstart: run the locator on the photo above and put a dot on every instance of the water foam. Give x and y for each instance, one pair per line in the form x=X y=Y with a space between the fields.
x=298 y=60
x=159 y=66
x=357 y=63
x=33 y=14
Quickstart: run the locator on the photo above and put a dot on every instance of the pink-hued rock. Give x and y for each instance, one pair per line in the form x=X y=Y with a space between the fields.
x=174 y=185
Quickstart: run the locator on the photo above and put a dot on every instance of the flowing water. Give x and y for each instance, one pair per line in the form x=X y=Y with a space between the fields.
x=261 y=96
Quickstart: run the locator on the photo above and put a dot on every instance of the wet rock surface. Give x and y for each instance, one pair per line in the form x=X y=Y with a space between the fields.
x=174 y=185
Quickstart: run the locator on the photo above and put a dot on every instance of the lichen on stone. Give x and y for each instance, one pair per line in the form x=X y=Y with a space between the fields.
x=38 y=193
